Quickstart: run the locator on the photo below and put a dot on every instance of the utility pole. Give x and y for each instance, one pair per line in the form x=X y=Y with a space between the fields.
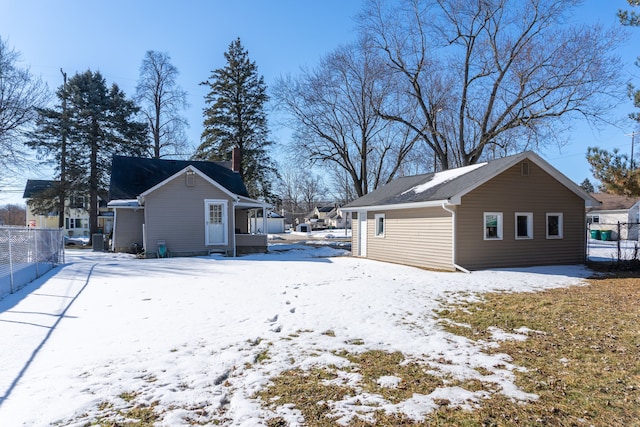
x=63 y=153
x=632 y=164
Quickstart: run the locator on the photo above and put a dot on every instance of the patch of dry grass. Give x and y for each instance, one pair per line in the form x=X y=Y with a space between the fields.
x=582 y=360
x=308 y=391
x=140 y=415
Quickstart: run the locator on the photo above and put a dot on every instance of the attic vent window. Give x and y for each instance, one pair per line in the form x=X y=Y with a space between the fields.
x=524 y=168
x=190 y=178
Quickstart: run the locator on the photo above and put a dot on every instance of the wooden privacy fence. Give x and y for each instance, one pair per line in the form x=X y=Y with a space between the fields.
x=26 y=254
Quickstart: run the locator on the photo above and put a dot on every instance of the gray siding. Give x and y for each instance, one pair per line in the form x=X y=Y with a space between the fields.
x=418 y=237
x=510 y=192
x=175 y=213
x=128 y=229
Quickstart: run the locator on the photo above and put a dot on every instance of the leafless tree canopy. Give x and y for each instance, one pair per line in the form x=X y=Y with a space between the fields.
x=333 y=111
x=162 y=101
x=20 y=94
x=12 y=214
x=486 y=76
x=300 y=191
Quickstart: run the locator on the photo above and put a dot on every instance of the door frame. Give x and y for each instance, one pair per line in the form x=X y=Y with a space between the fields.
x=362 y=233
x=225 y=221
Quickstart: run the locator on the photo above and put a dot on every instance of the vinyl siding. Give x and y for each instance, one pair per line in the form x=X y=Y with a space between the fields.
x=418 y=237
x=175 y=213
x=510 y=192
x=127 y=229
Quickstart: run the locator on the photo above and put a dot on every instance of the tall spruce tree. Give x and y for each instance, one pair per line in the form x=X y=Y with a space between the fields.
x=81 y=135
x=235 y=118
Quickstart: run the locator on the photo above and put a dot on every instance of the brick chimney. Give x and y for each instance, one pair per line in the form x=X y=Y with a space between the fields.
x=235 y=159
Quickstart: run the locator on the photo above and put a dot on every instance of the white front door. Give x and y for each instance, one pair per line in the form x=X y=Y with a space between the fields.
x=216 y=222
x=362 y=234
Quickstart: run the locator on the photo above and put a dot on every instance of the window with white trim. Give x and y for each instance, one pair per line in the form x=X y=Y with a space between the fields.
x=72 y=223
x=554 y=226
x=379 y=224
x=593 y=219
x=524 y=225
x=492 y=225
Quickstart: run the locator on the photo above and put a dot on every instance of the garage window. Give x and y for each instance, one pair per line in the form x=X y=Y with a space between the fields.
x=379 y=221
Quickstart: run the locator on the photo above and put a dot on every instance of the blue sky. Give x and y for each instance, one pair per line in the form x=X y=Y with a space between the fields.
x=280 y=35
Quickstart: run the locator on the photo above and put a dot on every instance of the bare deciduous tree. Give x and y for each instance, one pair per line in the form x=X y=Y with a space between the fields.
x=332 y=110
x=20 y=94
x=503 y=75
x=13 y=214
x=299 y=192
x=162 y=100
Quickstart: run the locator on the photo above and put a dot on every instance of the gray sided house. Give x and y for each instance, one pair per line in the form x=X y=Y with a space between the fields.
x=189 y=207
x=516 y=211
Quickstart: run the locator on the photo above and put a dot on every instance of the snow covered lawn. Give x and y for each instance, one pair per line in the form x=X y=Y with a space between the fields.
x=199 y=337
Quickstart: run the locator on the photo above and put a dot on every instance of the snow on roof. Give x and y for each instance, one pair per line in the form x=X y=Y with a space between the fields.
x=444 y=176
x=123 y=203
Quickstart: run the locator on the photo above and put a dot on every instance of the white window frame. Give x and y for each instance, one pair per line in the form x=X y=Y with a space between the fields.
x=499 y=227
x=593 y=219
x=379 y=220
x=529 y=216
x=72 y=223
x=560 y=234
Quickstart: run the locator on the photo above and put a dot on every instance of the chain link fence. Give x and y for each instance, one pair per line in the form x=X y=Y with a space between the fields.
x=26 y=254
x=617 y=242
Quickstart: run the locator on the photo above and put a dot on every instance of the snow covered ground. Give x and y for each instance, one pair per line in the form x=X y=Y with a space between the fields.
x=607 y=250
x=187 y=332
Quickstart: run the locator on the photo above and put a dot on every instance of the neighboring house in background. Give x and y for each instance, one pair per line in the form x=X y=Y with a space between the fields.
x=512 y=212
x=76 y=215
x=338 y=219
x=317 y=218
x=189 y=207
x=613 y=210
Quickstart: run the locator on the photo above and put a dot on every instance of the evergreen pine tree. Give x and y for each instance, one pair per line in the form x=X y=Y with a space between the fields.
x=632 y=18
x=587 y=186
x=235 y=118
x=99 y=122
x=615 y=171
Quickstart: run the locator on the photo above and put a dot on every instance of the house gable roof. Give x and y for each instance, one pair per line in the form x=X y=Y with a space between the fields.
x=35 y=186
x=133 y=176
x=450 y=186
x=179 y=173
x=614 y=202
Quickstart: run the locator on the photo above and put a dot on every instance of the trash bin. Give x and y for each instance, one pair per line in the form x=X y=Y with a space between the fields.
x=595 y=234
x=605 y=234
x=100 y=242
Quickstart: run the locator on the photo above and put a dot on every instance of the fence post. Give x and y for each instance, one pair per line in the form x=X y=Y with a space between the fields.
x=10 y=261
x=35 y=250
x=618 y=242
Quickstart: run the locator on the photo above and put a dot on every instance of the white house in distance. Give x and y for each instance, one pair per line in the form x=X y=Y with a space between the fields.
x=613 y=210
x=337 y=218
